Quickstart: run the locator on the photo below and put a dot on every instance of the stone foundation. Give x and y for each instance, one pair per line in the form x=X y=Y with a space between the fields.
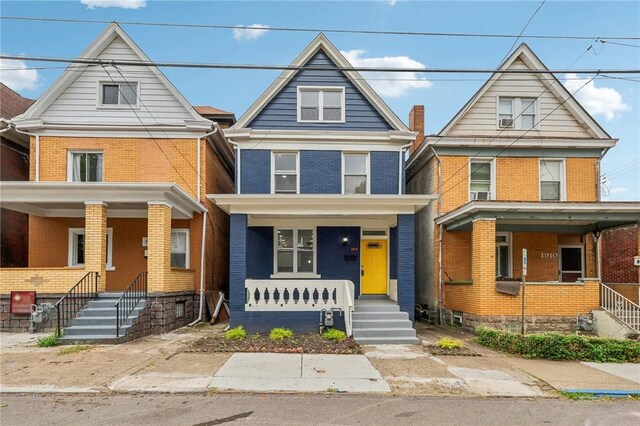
x=533 y=324
x=21 y=323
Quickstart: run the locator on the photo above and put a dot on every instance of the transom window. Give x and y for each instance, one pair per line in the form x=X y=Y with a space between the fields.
x=551 y=180
x=180 y=248
x=355 y=173
x=517 y=113
x=285 y=172
x=503 y=254
x=295 y=251
x=481 y=180
x=76 y=247
x=321 y=104
x=85 y=167
x=122 y=93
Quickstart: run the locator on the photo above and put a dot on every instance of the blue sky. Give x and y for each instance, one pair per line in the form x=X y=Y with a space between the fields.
x=615 y=103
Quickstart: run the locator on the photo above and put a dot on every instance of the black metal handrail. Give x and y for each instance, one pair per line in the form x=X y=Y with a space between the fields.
x=130 y=298
x=76 y=298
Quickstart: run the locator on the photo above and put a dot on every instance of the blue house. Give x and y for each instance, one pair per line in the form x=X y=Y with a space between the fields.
x=322 y=232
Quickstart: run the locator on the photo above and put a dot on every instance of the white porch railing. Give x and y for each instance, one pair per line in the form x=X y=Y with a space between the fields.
x=301 y=295
x=620 y=307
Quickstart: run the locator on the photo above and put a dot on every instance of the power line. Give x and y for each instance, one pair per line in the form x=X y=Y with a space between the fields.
x=318 y=30
x=523 y=29
x=120 y=62
x=619 y=44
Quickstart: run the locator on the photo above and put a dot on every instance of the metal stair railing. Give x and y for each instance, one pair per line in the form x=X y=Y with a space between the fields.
x=75 y=300
x=130 y=298
x=620 y=307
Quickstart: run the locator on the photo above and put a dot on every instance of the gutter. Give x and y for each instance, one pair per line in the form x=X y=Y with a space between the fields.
x=37 y=154
x=202 y=249
x=237 y=169
x=440 y=230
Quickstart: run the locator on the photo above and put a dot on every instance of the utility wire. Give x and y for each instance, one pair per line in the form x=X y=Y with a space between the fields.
x=619 y=44
x=319 y=30
x=523 y=29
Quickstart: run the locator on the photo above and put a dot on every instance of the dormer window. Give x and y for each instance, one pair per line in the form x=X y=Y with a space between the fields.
x=517 y=113
x=321 y=104
x=118 y=94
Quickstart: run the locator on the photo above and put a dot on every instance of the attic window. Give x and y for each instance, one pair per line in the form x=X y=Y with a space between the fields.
x=517 y=113
x=119 y=94
x=321 y=104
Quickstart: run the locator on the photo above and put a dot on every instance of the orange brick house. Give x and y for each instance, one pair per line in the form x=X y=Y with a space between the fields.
x=517 y=168
x=120 y=165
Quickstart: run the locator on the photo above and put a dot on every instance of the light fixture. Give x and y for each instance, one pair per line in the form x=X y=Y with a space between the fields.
x=345 y=241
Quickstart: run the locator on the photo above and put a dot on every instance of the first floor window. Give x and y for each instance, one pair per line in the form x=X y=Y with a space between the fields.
x=285 y=172
x=77 y=247
x=571 y=263
x=180 y=248
x=355 y=173
x=480 y=180
x=503 y=255
x=86 y=167
x=551 y=176
x=295 y=251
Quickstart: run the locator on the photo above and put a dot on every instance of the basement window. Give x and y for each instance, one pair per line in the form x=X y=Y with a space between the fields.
x=179 y=309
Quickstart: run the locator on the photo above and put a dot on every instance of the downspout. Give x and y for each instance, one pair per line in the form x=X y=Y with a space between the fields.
x=599 y=174
x=37 y=137
x=440 y=230
x=198 y=155
x=238 y=174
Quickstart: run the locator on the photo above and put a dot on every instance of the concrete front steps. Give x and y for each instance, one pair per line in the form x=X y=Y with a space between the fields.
x=377 y=320
x=97 y=322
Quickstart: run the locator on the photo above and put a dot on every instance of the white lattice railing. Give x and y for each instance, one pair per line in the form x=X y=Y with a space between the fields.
x=301 y=295
x=620 y=307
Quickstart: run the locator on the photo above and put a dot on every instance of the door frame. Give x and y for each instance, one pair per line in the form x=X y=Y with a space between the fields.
x=375 y=237
x=560 y=247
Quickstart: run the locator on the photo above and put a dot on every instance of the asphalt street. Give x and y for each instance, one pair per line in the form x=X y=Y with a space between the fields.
x=310 y=409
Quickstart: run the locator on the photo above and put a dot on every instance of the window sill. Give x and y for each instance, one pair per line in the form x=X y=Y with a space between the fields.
x=322 y=121
x=292 y=275
x=181 y=270
x=117 y=107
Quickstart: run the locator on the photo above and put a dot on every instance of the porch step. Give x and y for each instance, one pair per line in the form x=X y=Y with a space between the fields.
x=382 y=323
x=98 y=320
x=376 y=306
x=383 y=316
x=91 y=330
x=388 y=341
x=383 y=332
x=377 y=320
x=105 y=312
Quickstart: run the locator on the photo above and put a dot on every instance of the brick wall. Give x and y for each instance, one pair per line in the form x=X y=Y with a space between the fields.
x=406 y=259
x=255 y=171
x=618 y=247
x=42 y=280
x=384 y=172
x=320 y=172
x=14 y=226
x=238 y=262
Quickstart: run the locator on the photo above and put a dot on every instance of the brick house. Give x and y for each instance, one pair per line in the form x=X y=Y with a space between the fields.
x=321 y=227
x=517 y=168
x=619 y=247
x=120 y=165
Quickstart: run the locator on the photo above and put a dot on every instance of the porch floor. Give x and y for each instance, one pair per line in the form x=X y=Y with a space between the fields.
x=378 y=320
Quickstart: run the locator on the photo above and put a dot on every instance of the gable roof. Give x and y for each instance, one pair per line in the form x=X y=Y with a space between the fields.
x=12 y=103
x=554 y=86
x=97 y=46
x=321 y=42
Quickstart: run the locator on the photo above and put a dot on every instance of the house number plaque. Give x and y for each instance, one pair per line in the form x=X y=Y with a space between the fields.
x=549 y=255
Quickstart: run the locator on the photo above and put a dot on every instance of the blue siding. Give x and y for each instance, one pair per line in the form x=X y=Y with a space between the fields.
x=331 y=262
x=406 y=256
x=237 y=262
x=281 y=111
x=393 y=253
x=298 y=321
x=320 y=172
x=384 y=172
x=255 y=169
x=259 y=252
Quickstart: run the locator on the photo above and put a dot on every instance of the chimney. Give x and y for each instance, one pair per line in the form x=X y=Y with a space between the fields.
x=416 y=124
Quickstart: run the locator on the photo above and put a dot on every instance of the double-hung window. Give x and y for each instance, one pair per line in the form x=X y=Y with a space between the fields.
x=505 y=112
x=285 y=173
x=295 y=251
x=481 y=180
x=85 y=167
x=77 y=247
x=119 y=93
x=321 y=104
x=180 y=248
x=355 y=175
x=551 y=180
x=517 y=113
x=503 y=254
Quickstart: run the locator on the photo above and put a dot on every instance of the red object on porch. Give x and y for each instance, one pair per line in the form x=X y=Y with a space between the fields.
x=21 y=302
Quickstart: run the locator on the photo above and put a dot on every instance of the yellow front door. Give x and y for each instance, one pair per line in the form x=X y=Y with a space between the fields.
x=374 y=267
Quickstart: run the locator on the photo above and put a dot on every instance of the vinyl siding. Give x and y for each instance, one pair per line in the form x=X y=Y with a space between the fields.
x=281 y=111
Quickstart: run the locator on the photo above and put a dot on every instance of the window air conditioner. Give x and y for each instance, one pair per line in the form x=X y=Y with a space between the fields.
x=506 y=122
x=480 y=195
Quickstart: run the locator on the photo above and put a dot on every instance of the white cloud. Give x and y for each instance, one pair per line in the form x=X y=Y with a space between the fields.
x=123 y=4
x=597 y=100
x=14 y=73
x=391 y=84
x=253 y=32
x=618 y=190
x=392 y=2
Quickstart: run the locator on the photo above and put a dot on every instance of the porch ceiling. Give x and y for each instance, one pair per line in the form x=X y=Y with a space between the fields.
x=67 y=199
x=543 y=216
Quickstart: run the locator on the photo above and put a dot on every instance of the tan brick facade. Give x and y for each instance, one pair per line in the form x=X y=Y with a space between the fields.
x=95 y=240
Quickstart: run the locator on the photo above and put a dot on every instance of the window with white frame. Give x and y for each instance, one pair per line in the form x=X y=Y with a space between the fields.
x=321 y=104
x=85 y=166
x=480 y=180
x=285 y=172
x=77 y=247
x=551 y=180
x=355 y=173
x=180 y=248
x=517 y=113
x=503 y=254
x=295 y=251
x=118 y=94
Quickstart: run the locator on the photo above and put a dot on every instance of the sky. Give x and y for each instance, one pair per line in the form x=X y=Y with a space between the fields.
x=615 y=104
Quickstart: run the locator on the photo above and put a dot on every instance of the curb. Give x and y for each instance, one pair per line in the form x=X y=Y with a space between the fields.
x=603 y=392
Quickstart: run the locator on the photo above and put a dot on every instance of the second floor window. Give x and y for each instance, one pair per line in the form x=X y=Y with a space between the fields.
x=517 y=113
x=123 y=93
x=323 y=105
x=355 y=173
x=551 y=180
x=85 y=167
x=481 y=181
x=285 y=172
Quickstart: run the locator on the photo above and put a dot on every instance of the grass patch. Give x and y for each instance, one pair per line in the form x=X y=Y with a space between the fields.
x=447 y=343
x=577 y=396
x=334 y=335
x=49 y=341
x=67 y=350
x=279 y=333
x=236 y=333
x=560 y=347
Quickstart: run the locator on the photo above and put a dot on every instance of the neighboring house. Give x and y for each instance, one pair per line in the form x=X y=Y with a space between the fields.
x=320 y=221
x=223 y=118
x=120 y=165
x=14 y=166
x=618 y=248
x=517 y=168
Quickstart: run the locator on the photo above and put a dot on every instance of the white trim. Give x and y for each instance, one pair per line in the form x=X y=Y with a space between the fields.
x=367 y=155
x=273 y=171
x=372 y=238
x=563 y=177
x=320 y=90
x=70 y=154
x=72 y=232
x=188 y=243
x=118 y=106
x=492 y=177
x=294 y=250
x=509 y=245
x=489 y=142
x=321 y=42
x=307 y=222
x=582 y=260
